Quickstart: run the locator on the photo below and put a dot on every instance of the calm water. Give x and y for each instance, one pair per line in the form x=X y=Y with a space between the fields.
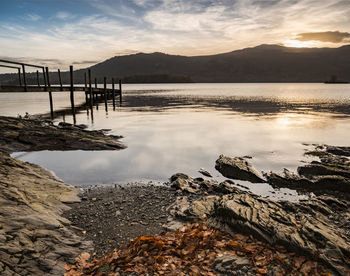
x=171 y=128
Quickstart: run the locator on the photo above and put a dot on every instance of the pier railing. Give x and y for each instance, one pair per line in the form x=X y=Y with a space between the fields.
x=91 y=93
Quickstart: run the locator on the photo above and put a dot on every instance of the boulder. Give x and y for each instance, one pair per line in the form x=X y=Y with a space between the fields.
x=342 y=151
x=316 y=168
x=332 y=182
x=184 y=183
x=238 y=168
x=288 y=179
x=187 y=184
x=318 y=184
x=185 y=210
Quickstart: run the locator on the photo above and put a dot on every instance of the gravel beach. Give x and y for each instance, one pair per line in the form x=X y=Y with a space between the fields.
x=111 y=216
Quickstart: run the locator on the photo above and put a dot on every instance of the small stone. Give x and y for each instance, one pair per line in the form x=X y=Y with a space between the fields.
x=205 y=172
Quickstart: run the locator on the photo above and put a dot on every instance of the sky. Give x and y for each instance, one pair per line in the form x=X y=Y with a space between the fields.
x=57 y=33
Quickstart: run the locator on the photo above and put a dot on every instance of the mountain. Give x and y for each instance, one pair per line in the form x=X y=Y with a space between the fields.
x=264 y=63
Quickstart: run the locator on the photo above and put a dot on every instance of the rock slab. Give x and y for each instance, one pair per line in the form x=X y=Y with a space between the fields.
x=34 y=238
x=315 y=227
x=238 y=168
x=34 y=135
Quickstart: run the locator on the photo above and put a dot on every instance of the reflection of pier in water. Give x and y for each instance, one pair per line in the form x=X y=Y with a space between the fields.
x=98 y=101
x=92 y=93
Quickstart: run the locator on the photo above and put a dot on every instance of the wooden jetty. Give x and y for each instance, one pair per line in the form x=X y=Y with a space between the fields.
x=91 y=93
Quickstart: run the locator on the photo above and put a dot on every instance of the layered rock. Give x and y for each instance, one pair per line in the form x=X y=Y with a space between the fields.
x=238 y=168
x=198 y=185
x=342 y=151
x=312 y=227
x=317 y=169
x=34 y=238
x=34 y=135
x=329 y=175
x=316 y=227
x=287 y=179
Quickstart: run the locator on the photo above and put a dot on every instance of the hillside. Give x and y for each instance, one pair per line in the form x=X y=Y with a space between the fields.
x=264 y=63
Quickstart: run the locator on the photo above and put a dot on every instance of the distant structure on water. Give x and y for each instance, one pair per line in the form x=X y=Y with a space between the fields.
x=334 y=80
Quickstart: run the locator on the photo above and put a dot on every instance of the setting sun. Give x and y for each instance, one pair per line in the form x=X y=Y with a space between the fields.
x=299 y=44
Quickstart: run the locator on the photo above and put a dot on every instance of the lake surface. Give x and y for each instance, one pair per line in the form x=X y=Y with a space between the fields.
x=171 y=128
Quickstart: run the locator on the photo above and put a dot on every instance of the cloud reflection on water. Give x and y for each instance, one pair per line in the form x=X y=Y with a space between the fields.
x=172 y=131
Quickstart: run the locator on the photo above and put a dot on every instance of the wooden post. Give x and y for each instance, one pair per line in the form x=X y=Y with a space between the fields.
x=120 y=91
x=113 y=93
x=105 y=91
x=60 y=79
x=19 y=77
x=50 y=94
x=91 y=96
x=85 y=88
x=24 y=78
x=90 y=89
x=44 y=79
x=72 y=92
x=37 y=77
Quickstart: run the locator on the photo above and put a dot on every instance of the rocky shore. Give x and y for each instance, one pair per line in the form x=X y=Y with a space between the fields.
x=219 y=229
x=318 y=227
x=34 y=135
x=315 y=231
x=329 y=175
x=35 y=239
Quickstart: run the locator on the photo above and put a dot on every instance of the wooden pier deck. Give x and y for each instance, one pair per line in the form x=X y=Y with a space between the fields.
x=56 y=88
x=92 y=93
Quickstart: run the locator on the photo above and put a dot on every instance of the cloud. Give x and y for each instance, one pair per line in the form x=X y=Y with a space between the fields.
x=115 y=27
x=31 y=59
x=141 y=3
x=63 y=15
x=33 y=17
x=85 y=62
x=50 y=62
x=126 y=52
x=334 y=37
x=119 y=12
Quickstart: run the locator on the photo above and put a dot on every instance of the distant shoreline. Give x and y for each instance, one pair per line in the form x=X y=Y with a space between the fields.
x=147 y=83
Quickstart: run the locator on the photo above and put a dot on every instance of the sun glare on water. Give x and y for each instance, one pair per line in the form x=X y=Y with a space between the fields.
x=299 y=44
